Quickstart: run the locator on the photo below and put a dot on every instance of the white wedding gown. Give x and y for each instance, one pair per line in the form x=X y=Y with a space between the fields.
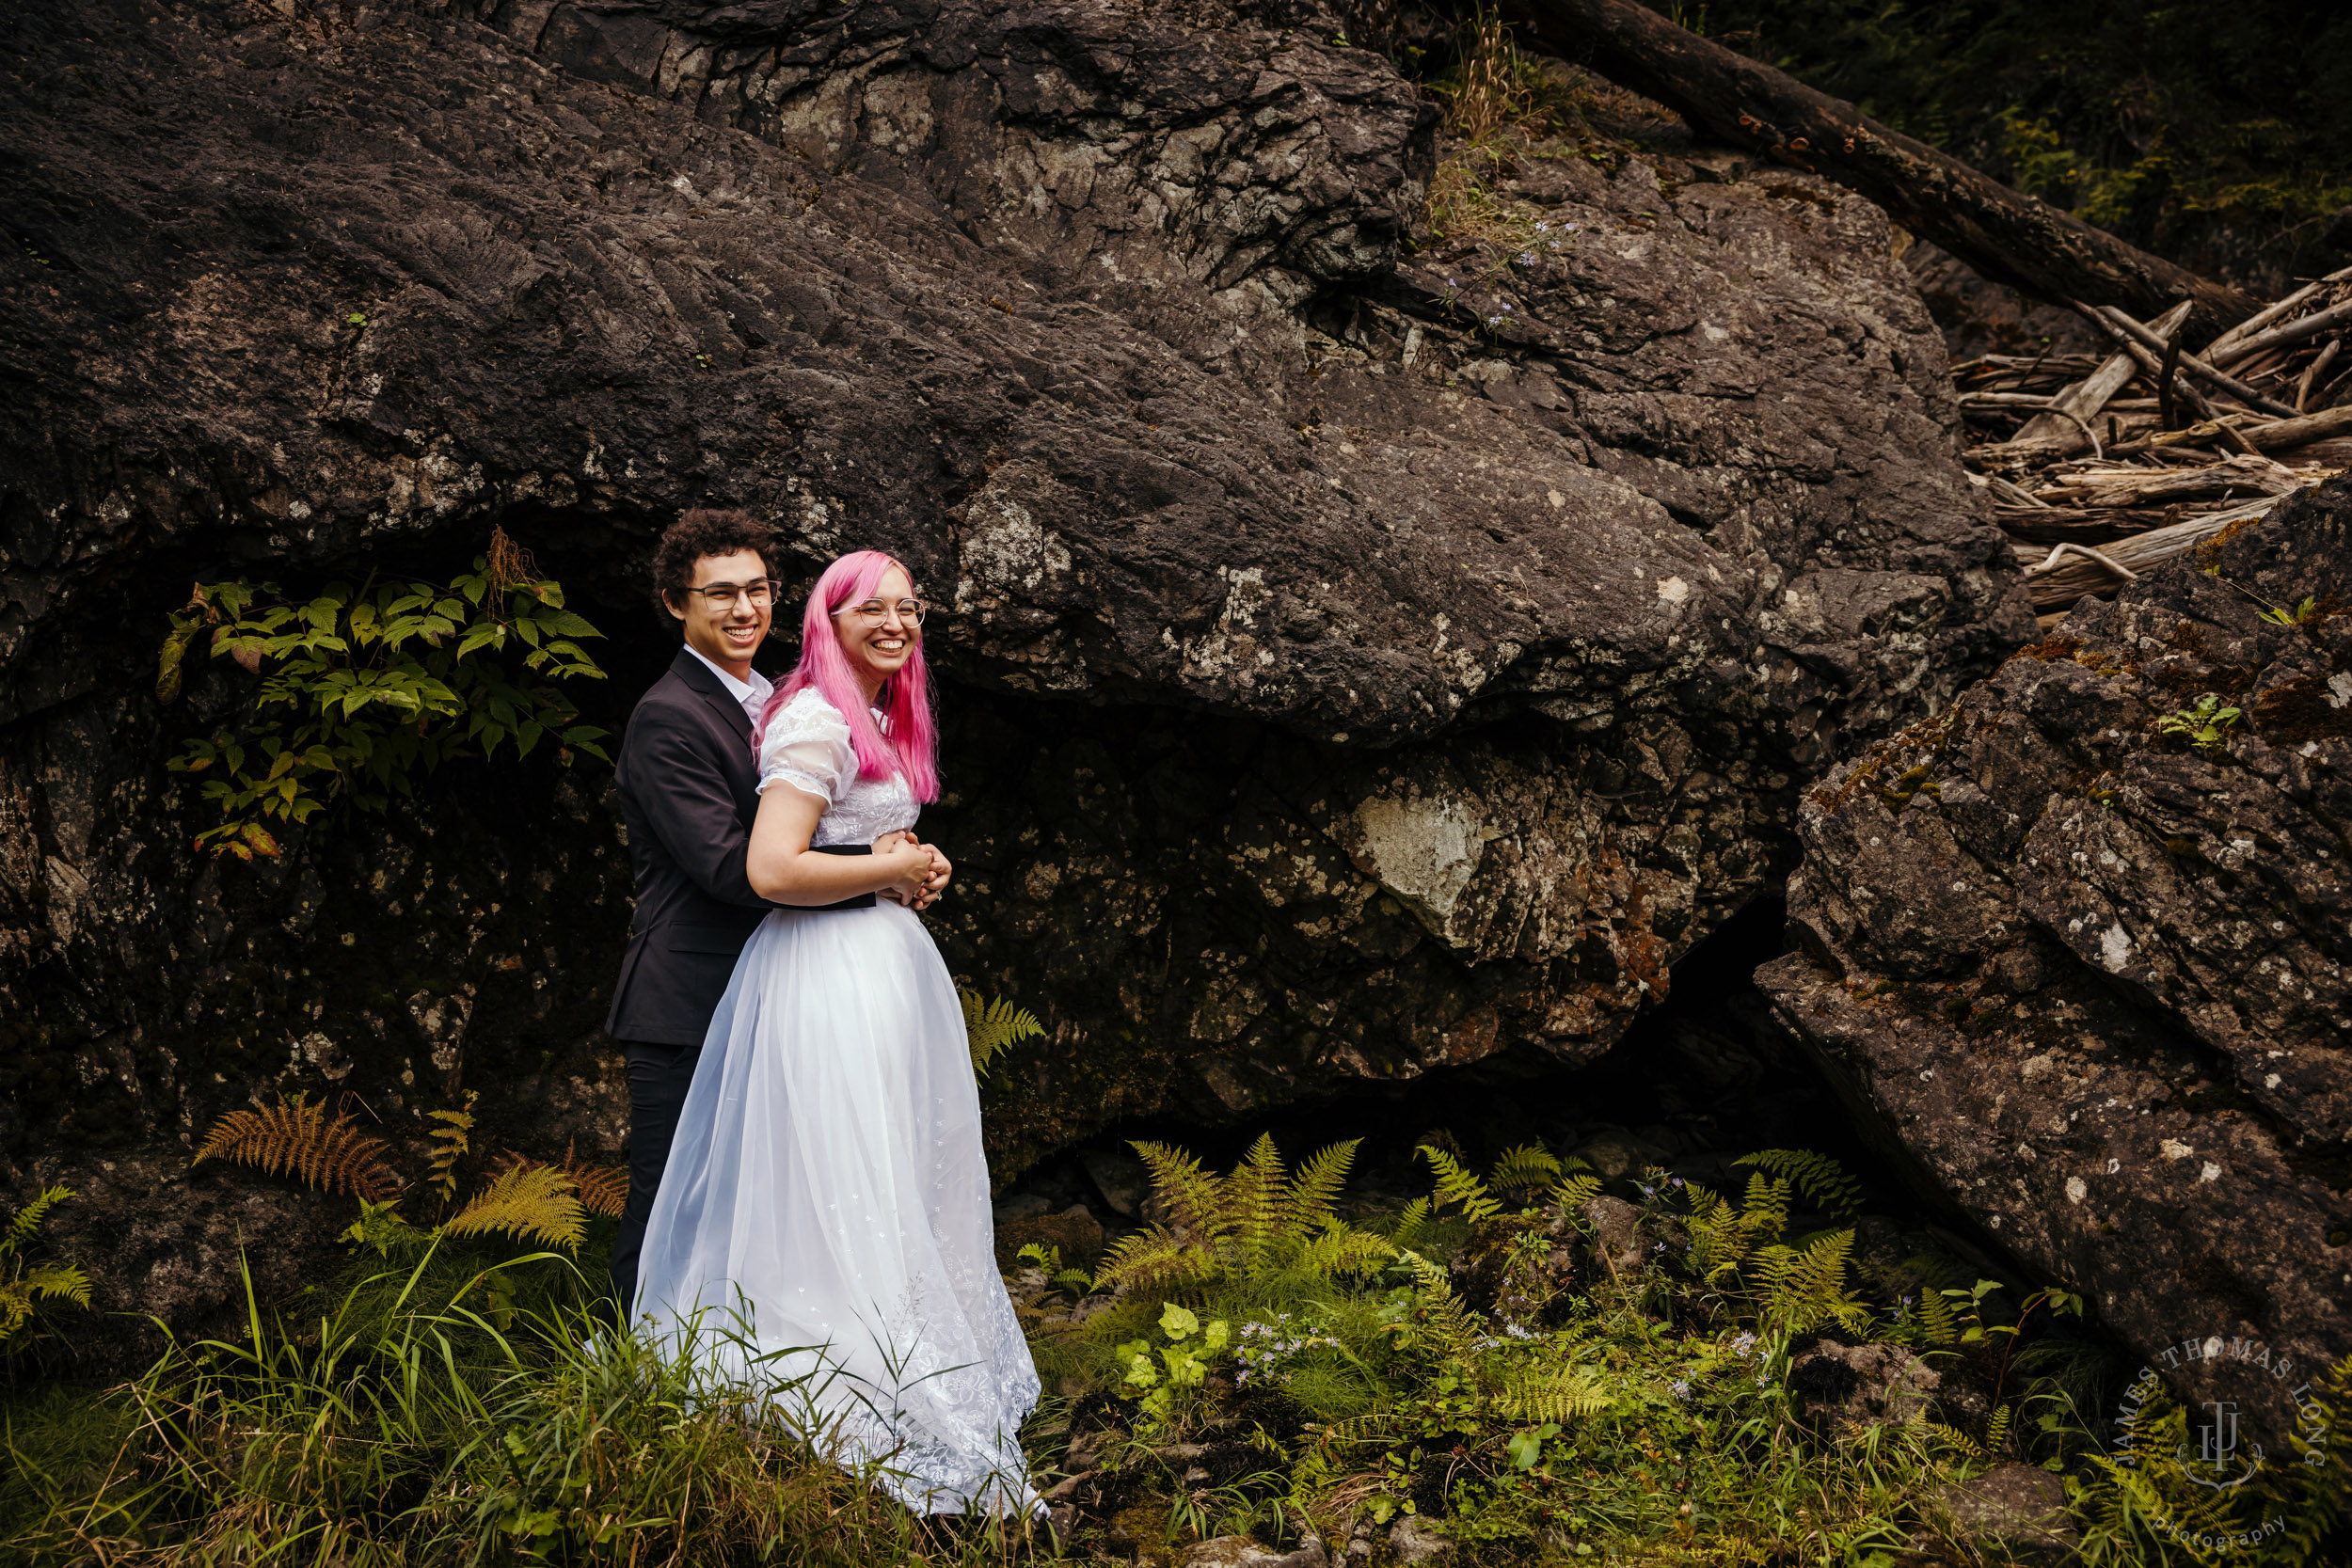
x=822 y=1237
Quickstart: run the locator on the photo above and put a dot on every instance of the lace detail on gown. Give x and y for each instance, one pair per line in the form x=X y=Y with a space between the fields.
x=806 y=745
x=827 y=1186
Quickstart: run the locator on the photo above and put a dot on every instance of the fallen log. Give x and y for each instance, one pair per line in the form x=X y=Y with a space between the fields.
x=2274 y=436
x=2227 y=347
x=2056 y=524
x=2057 y=583
x=2313 y=372
x=2278 y=337
x=2129 y=487
x=2002 y=234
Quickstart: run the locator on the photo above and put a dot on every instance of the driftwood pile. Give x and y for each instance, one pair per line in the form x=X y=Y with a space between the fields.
x=2099 y=468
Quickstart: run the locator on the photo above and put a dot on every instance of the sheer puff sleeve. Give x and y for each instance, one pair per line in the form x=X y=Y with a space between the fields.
x=807 y=746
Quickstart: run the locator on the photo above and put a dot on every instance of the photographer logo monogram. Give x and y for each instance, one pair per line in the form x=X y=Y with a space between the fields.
x=2222 y=1445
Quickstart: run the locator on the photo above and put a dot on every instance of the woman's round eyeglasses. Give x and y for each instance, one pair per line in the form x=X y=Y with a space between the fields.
x=873 y=612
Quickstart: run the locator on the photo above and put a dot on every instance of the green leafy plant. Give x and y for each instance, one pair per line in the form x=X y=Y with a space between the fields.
x=2206 y=725
x=362 y=689
x=1184 y=1361
x=994 y=1027
x=23 y=1283
x=2302 y=614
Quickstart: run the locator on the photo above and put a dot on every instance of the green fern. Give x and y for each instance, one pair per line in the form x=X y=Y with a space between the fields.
x=534 y=1204
x=602 y=1189
x=1573 y=1190
x=1804 y=1287
x=1254 y=1223
x=1525 y=1170
x=1447 y=1328
x=30 y=1218
x=1722 y=1235
x=21 y=1284
x=1550 y=1392
x=1996 y=1431
x=451 y=1142
x=1458 y=1186
x=1314 y=1197
x=1411 y=1226
x=1821 y=1180
x=994 y=1027
x=1934 y=1315
x=1959 y=1442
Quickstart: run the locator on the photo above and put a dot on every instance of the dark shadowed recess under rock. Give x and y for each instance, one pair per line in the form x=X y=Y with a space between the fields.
x=1360 y=657
x=2093 y=974
x=1697 y=1082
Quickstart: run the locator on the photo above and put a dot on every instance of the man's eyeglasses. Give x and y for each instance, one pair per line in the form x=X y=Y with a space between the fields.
x=873 y=612
x=725 y=595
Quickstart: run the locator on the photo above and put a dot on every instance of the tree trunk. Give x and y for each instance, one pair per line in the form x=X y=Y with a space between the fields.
x=2003 y=235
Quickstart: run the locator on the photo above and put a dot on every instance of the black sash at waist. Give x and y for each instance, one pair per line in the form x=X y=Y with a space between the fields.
x=864 y=900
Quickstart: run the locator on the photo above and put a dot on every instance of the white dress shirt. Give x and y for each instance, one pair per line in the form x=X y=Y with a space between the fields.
x=753 y=695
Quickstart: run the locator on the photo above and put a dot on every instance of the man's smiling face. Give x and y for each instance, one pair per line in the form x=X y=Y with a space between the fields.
x=726 y=633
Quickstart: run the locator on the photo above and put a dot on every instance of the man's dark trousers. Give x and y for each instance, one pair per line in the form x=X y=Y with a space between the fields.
x=689 y=787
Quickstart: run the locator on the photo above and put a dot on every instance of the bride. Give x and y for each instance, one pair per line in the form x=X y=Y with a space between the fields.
x=823 y=1227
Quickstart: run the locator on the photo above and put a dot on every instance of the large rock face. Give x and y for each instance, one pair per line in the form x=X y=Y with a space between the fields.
x=2093 y=974
x=1361 y=655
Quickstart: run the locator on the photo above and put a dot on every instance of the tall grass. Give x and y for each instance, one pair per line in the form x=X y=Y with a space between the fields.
x=452 y=1411
x=1561 y=1382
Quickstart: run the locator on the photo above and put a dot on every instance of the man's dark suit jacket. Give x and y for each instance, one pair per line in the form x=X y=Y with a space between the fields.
x=690 y=787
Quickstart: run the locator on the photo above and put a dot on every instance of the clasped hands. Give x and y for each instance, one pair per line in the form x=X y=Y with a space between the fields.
x=921 y=871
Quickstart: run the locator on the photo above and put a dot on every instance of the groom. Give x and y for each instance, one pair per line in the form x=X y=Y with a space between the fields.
x=688 y=788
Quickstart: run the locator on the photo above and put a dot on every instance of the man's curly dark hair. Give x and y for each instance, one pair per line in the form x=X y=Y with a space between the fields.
x=705 y=530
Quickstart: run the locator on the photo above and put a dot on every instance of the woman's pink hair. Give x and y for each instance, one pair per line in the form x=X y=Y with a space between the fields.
x=907 y=741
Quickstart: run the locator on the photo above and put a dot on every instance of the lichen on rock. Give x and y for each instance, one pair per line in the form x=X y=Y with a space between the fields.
x=2092 y=974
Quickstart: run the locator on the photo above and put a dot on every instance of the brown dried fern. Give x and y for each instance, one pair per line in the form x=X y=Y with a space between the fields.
x=603 y=1189
x=292 y=1138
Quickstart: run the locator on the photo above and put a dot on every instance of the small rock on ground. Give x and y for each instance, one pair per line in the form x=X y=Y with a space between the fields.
x=2015 y=1505
x=1242 y=1551
x=1121 y=1179
x=1864 y=1384
x=1415 y=1540
x=1074 y=1231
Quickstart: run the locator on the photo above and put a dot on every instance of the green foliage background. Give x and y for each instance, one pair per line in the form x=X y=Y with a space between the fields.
x=2217 y=132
